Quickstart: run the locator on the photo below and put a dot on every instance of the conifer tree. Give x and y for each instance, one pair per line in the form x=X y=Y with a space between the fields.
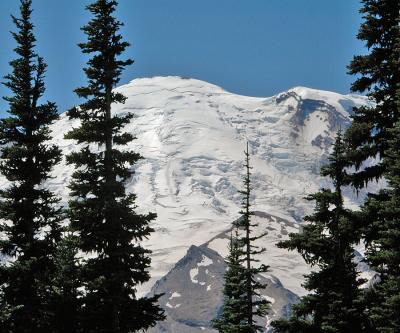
x=100 y=209
x=242 y=301
x=255 y=305
x=327 y=242
x=372 y=135
x=382 y=216
x=379 y=75
x=232 y=318
x=30 y=213
x=66 y=299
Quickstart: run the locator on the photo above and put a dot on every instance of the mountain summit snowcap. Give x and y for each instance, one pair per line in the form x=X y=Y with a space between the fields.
x=192 y=135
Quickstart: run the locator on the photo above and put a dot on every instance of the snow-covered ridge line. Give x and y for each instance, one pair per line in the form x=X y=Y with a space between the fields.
x=173 y=83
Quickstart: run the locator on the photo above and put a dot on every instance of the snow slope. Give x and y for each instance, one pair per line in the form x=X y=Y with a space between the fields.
x=192 y=135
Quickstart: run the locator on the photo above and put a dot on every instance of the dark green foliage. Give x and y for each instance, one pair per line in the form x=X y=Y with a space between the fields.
x=66 y=300
x=326 y=242
x=382 y=217
x=256 y=306
x=31 y=216
x=101 y=211
x=233 y=319
x=242 y=302
x=375 y=133
x=379 y=75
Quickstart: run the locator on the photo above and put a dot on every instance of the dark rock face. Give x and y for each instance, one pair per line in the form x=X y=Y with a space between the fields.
x=304 y=107
x=193 y=293
x=334 y=118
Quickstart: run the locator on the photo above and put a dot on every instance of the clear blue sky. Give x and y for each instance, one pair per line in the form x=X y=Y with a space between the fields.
x=250 y=47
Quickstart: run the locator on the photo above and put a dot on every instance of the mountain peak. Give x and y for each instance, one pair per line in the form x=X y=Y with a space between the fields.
x=192 y=293
x=172 y=83
x=192 y=135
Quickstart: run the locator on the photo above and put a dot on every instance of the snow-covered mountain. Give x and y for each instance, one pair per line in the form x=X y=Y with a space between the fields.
x=193 y=288
x=192 y=293
x=192 y=135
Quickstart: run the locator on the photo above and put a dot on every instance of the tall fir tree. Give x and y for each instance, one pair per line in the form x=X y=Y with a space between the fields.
x=252 y=304
x=256 y=306
x=373 y=135
x=100 y=209
x=233 y=319
x=379 y=75
x=30 y=213
x=327 y=241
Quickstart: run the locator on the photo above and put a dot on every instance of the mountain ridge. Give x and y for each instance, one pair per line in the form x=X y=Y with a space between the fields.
x=192 y=135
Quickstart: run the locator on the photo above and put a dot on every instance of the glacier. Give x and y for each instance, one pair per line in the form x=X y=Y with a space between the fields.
x=192 y=135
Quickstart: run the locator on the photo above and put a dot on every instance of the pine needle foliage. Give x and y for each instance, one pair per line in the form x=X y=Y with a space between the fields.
x=243 y=304
x=100 y=209
x=374 y=134
x=327 y=242
x=30 y=213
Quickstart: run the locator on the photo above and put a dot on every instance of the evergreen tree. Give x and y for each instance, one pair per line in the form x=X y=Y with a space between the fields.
x=101 y=210
x=373 y=135
x=30 y=213
x=382 y=215
x=66 y=299
x=255 y=305
x=233 y=318
x=327 y=242
x=378 y=74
